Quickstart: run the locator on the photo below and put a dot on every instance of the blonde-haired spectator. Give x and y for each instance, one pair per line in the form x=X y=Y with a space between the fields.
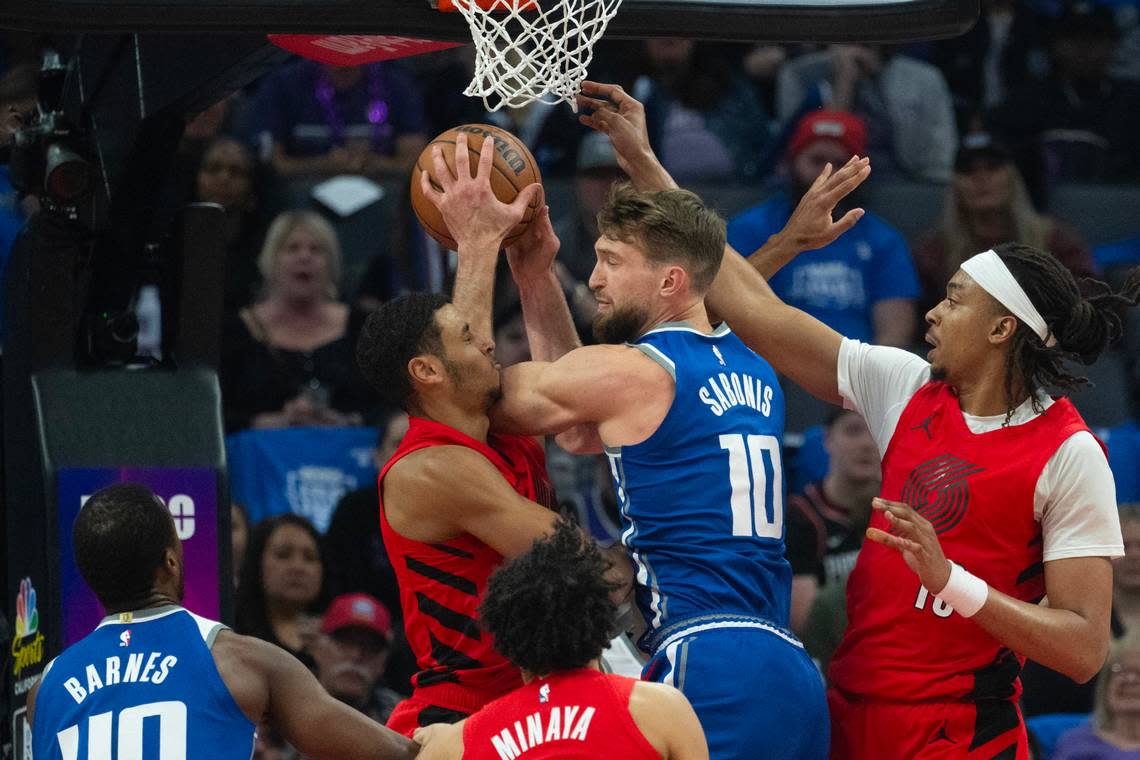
x=987 y=203
x=287 y=359
x=1114 y=732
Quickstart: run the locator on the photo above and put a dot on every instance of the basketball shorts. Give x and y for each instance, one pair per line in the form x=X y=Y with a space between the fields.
x=872 y=730
x=752 y=685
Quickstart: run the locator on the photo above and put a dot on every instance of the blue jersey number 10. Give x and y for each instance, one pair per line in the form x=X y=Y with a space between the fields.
x=171 y=720
x=749 y=479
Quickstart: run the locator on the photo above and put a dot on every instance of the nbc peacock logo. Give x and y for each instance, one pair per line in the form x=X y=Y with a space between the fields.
x=27 y=616
x=28 y=643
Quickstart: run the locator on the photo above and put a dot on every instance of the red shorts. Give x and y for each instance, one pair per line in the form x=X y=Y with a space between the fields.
x=872 y=730
x=415 y=712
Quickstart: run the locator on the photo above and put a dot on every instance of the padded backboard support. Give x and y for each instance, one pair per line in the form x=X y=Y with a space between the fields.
x=739 y=20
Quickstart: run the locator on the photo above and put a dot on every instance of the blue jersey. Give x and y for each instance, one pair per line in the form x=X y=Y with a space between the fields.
x=702 y=498
x=841 y=283
x=142 y=685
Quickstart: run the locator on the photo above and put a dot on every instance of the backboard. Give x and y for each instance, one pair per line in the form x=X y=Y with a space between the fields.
x=729 y=20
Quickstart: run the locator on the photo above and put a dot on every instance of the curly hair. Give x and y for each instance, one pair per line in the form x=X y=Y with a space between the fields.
x=1084 y=326
x=550 y=609
x=399 y=330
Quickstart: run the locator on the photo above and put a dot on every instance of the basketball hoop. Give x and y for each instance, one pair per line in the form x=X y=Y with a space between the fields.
x=531 y=50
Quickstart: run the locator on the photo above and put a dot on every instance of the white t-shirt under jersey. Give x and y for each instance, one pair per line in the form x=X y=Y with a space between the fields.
x=1075 y=497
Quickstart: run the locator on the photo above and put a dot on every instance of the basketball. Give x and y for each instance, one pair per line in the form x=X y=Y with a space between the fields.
x=513 y=169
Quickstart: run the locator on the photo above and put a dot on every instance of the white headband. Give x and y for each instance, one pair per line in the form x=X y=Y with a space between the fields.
x=994 y=277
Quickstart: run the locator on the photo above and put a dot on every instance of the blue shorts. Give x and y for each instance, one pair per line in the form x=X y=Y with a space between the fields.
x=755 y=690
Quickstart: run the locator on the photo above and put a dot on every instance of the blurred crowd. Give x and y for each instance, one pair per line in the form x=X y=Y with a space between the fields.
x=1002 y=130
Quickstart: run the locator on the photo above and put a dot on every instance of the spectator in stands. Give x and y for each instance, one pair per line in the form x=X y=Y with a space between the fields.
x=351 y=653
x=511 y=343
x=588 y=493
x=239 y=538
x=318 y=119
x=1005 y=50
x=987 y=203
x=1114 y=733
x=1080 y=121
x=704 y=118
x=229 y=175
x=18 y=87
x=825 y=522
x=287 y=360
x=281 y=584
x=1126 y=575
x=863 y=285
x=904 y=102
x=597 y=171
x=357 y=559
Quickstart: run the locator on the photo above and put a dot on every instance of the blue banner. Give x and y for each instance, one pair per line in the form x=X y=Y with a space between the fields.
x=301 y=470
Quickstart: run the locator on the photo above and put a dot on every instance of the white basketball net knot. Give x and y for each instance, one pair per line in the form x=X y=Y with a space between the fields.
x=528 y=50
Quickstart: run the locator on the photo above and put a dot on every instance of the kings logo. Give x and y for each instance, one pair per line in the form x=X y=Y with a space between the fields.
x=28 y=643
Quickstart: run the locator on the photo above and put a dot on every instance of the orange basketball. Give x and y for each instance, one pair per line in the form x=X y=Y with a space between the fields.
x=513 y=169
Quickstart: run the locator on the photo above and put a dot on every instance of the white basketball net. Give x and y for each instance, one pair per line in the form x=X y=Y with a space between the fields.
x=528 y=50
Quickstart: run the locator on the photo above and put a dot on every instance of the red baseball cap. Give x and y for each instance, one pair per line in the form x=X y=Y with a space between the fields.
x=844 y=127
x=357 y=610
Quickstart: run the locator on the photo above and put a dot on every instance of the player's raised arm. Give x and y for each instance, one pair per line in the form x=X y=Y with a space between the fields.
x=479 y=221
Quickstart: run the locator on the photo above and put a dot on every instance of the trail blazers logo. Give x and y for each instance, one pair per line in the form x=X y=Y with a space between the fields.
x=938 y=489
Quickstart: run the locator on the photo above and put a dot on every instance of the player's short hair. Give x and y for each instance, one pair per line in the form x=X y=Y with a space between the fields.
x=550 y=609
x=120 y=537
x=392 y=335
x=670 y=226
x=1084 y=318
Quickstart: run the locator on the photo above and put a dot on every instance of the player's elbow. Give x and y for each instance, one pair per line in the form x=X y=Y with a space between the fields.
x=1088 y=658
x=1092 y=663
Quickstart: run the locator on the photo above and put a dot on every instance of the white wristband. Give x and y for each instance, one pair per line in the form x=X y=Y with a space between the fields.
x=965 y=592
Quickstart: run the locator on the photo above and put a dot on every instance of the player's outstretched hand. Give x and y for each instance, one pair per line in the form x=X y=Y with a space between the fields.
x=474 y=216
x=812 y=225
x=532 y=255
x=616 y=113
x=915 y=538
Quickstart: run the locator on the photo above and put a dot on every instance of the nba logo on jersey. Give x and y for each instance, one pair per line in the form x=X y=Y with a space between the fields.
x=125 y=638
x=544 y=693
x=719 y=356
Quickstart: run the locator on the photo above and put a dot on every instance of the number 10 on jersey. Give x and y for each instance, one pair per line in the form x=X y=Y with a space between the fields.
x=749 y=479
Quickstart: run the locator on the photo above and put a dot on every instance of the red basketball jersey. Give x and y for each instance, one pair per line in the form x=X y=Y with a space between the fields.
x=901 y=643
x=575 y=715
x=441 y=584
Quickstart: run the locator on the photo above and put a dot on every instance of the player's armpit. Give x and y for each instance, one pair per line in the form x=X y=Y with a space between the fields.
x=317 y=724
x=440 y=492
x=668 y=721
x=587 y=385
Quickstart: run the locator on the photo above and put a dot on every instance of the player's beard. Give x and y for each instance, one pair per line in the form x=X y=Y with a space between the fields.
x=623 y=324
x=463 y=384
